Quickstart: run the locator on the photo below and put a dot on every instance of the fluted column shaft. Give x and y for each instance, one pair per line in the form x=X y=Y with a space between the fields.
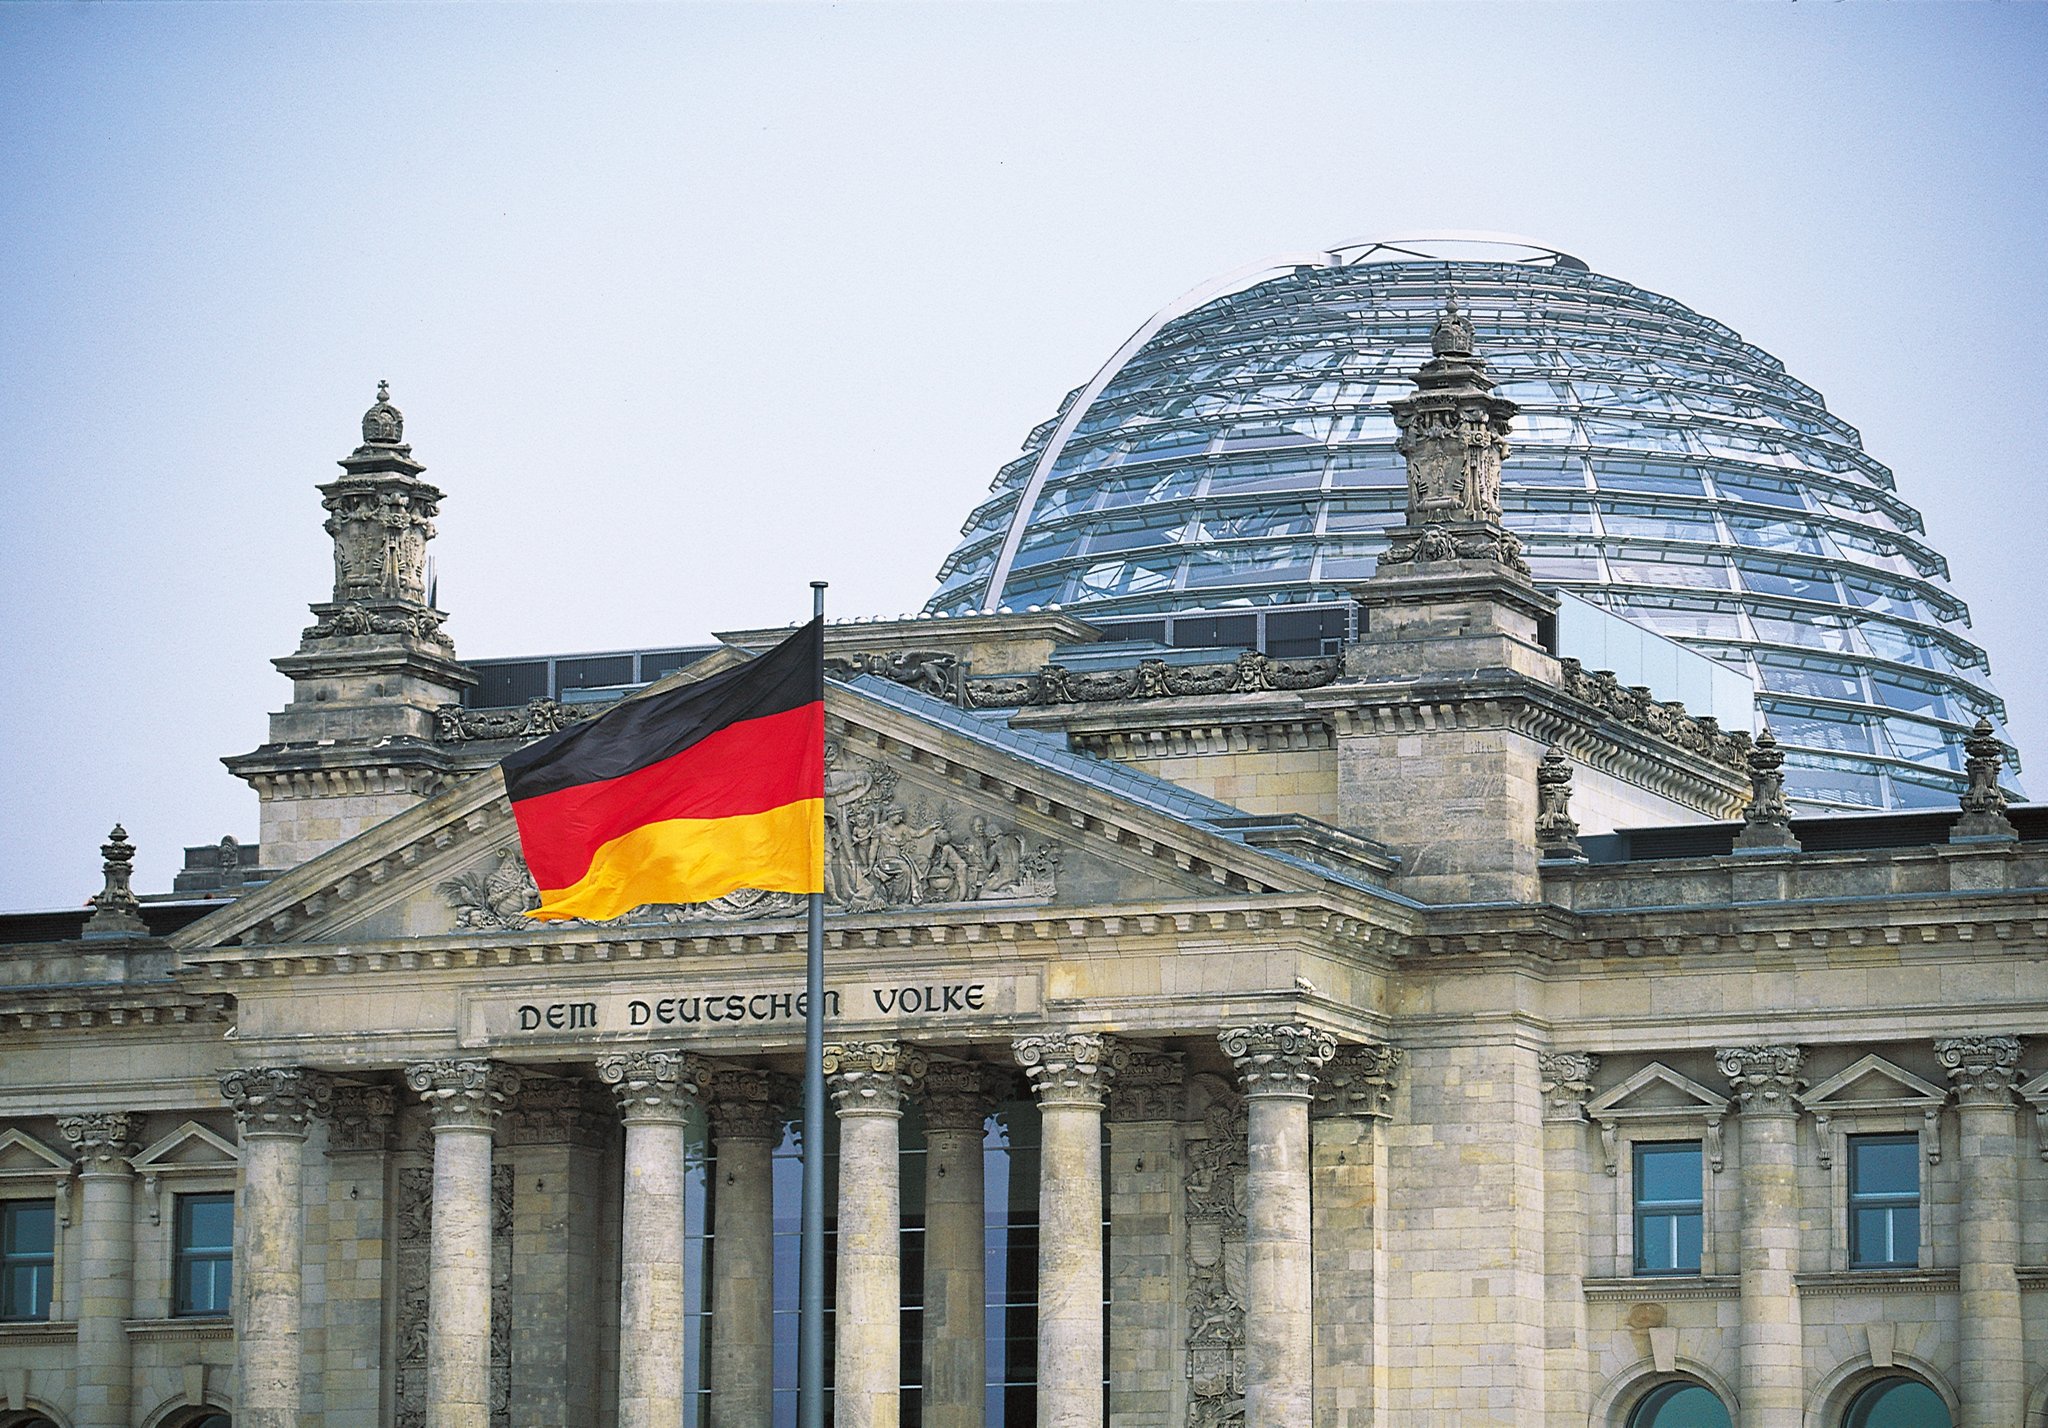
x=746 y=1123
x=1277 y=1063
x=868 y=1081
x=103 y=1142
x=465 y=1099
x=656 y=1090
x=1993 y=1379
x=1766 y=1080
x=1070 y=1073
x=957 y=1097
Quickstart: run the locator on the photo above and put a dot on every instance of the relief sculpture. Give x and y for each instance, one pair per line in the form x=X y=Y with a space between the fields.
x=1216 y=1196
x=415 y=1220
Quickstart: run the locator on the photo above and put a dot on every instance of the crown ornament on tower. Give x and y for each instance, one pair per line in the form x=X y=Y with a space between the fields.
x=115 y=910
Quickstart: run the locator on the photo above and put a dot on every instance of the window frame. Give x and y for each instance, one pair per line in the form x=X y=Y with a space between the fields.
x=48 y=1262
x=1889 y=1202
x=1913 y=1109
x=1623 y=1126
x=183 y=1254
x=1637 y=1269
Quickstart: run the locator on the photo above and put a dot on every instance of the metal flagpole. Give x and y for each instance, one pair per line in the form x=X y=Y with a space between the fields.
x=811 y=1311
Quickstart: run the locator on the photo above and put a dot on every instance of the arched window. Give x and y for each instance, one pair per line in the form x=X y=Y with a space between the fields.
x=1679 y=1405
x=1897 y=1403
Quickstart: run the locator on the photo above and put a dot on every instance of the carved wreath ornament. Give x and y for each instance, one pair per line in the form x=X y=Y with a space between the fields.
x=881 y=851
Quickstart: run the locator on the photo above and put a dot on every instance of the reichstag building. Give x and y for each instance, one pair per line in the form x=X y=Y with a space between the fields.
x=1440 y=854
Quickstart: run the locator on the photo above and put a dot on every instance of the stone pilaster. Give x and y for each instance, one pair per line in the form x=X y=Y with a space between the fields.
x=1567 y=1082
x=1766 y=1081
x=1347 y=1199
x=1984 y=1071
x=274 y=1107
x=1277 y=1061
x=465 y=1099
x=746 y=1125
x=1147 y=1345
x=656 y=1091
x=958 y=1096
x=557 y=1131
x=103 y=1142
x=868 y=1081
x=361 y=1133
x=1070 y=1074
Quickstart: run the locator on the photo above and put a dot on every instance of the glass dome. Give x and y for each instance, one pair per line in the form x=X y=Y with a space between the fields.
x=1234 y=463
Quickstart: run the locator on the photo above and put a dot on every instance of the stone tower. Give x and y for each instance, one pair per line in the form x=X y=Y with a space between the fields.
x=356 y=744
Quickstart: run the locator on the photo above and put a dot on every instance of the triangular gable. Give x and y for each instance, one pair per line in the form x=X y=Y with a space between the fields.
x=2035 y=1093
x=953 y=808
x=191 y=1145
x=1657 y=1093
x=1871 y=1084
x=22 y=1155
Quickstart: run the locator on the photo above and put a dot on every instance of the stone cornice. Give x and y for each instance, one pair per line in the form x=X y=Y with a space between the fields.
x=116 y=1006
x=1662 y=1288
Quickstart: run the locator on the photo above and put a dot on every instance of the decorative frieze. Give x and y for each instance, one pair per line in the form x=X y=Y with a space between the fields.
x=1567 y=1082
x=1278 y=1058
x=1357 y=1081
x=1765 y=1079
x=653 y=1085
x=276 y=1100
x=1983 y=1069
x=558 y=1112
x=1249 y=673
x=362 y=1118
x=746 y=1104
x=872 y=1077
x=1070 y=1068
x=466 y=1094
x=1635 y=706
x=959 y=1095
x=103 y=1141
x=1149 y=1087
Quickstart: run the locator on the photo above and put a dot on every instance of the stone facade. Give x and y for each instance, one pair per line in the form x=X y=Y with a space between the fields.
x=1340 y=1054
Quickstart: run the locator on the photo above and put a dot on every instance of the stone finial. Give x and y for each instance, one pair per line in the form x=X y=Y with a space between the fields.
x=746 y=1104
x=1357 y=1081
x=1452 y=335
x=1278 y=1058
x=872 y=1077
x=1983 y=800
x=1767 y=818
x=1071 y=1068
x=1764 y=1078
x=1567 y=1082
x=383 y=424
x=102 y=1140
x=1557 y=833
x=115 y=910
x=275 y=1100
x=1984 y=1069
x=465 y=1094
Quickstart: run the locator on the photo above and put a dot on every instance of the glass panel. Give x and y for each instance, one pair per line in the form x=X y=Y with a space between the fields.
x=1679 y=1405
x=1886 y=1166
x=1898 y=1403
x=209 y=1222
x=1668 y=1173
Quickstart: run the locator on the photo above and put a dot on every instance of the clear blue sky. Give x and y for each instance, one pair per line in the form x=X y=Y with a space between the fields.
x=688 y=305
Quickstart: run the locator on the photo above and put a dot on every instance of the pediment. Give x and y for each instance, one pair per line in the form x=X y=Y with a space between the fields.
x=1872 y=1083
x=928 y=807
x=21 y=1154
x=190 y=1147
x=1657 y=1092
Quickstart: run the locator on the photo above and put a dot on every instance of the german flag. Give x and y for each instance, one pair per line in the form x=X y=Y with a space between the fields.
x=682 y=796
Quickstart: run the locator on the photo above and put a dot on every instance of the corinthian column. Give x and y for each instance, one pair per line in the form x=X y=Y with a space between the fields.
x=656 y=1090
x=1993 y=1381
x=746 y=1123
x=103 y=1141
x=957 y=1098
x=1070 y=1073
x=465 y=1098
x=1277 y=1062
x=868 y=1081
x=274 y=1107
x=1766 y=1081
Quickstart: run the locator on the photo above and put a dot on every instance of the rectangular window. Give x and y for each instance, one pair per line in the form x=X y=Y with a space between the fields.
x=1884 y=1201
x=1668 y=1207
x=28 y=1258
x=203 y=1268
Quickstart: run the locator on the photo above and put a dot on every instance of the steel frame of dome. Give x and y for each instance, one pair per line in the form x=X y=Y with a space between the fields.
x=1236 y=453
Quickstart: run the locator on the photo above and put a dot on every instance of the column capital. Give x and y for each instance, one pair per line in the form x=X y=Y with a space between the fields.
x=103 y=1140
x=1357 y=1081
x=1278 y=1058
x=1070 y=1068
x=1567 y=1082
x=746 y=1104
x=1984 y=1069
x=362 y=1118
x=653 y=1087
x=958 y=1095
x=465 y=1094
x=1148 y=1087
x=275 y=1100
x=1765 y=1079
x=558 y=1111
x=871 y=1077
